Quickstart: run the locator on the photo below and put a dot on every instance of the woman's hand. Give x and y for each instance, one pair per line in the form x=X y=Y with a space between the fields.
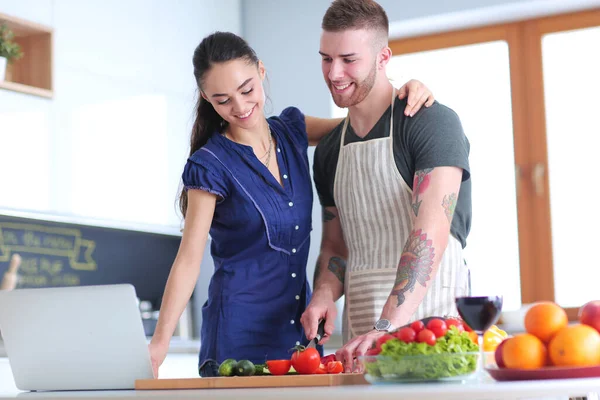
x=418 y=94
x=158 y=353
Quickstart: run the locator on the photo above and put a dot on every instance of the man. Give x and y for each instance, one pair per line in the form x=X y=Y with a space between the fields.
x=395 y=191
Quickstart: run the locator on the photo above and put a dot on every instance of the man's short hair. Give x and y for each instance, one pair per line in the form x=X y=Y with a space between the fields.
x=356 y=14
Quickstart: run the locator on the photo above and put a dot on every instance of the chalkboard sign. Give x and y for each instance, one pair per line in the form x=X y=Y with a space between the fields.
x=58 y=254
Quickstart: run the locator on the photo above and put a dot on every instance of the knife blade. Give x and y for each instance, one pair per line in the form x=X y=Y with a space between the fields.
x=320 y=332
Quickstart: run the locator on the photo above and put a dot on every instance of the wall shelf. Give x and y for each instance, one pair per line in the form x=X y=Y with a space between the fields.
x=32 y=74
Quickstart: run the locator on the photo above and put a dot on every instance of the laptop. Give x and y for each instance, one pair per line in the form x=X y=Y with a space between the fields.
x=74 y=338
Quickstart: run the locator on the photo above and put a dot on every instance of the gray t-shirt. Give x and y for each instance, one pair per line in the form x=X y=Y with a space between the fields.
x=432 y=138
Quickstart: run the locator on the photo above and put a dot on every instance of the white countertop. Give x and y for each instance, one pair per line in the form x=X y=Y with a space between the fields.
x=185 y=365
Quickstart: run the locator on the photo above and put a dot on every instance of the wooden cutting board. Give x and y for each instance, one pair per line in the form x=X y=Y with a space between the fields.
x=251 y=382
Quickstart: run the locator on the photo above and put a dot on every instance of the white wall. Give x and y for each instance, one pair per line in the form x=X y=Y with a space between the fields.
x=113 y=141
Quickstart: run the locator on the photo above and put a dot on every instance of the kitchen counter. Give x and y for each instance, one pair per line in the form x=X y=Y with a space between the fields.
x=530 y=390
x=184 y=365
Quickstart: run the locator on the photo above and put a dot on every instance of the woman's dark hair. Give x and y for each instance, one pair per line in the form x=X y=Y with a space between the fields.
x=220 y=47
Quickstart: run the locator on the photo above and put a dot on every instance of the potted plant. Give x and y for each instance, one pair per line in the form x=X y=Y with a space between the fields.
x=9 y=50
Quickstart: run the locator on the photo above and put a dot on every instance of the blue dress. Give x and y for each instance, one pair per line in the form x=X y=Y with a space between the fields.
x=260 y=240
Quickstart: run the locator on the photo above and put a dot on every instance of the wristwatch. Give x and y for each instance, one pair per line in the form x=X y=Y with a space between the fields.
x=384 y=325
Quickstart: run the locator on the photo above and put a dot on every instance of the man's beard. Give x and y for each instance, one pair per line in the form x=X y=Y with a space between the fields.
x=360 y=92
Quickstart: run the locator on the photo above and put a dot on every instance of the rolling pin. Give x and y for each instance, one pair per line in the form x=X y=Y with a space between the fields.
x=9 y=282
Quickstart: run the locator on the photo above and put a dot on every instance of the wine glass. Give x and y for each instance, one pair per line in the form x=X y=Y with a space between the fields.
x=480 y=311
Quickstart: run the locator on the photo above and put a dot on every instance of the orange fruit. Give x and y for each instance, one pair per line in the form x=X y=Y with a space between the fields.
x=575 y=345
x=524 y=351
x=544 y=319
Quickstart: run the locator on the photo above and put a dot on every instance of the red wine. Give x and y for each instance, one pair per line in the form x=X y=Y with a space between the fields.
x=480 y=313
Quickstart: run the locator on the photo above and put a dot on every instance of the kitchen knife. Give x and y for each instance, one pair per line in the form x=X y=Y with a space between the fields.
x=320 y=333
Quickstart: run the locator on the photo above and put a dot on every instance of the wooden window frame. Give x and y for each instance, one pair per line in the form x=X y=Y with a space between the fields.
x=524 y=39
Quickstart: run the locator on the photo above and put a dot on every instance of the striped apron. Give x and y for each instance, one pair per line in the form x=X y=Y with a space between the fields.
x=374 y=205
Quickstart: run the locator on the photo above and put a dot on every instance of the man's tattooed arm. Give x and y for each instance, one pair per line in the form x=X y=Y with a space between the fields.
x=449 y=204
x=416 y=265
x=420 y=185
x=424 y=248
x=327 y=215
x=338 y=267
x=317 y=271
x=330 y=271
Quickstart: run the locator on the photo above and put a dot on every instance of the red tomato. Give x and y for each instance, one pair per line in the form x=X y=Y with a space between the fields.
x=373 y=352
x=382 y=340
x=438 y=327
x=305 y=361
x=417 y=326
x=335 y=367
x=406 y=334
x=454 y=322
x=321 y=370
x=426 y=336
x=279 y=367
x=326 y=359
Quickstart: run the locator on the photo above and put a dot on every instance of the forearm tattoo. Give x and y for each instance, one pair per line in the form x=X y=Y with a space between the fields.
x=420 y=185
x=338 y=267
x=449 y=204
x=416 y=265
x=327 y=215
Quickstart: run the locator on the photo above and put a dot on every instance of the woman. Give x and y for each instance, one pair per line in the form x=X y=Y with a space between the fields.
x=247 y=183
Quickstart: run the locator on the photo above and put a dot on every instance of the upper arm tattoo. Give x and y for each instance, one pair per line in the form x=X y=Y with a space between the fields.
x=420 y=185
x=327 y=215
x=416 y=265
x=338 y=267
x=449 y=204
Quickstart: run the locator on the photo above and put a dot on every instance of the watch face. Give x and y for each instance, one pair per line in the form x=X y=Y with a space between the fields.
x=382 y=325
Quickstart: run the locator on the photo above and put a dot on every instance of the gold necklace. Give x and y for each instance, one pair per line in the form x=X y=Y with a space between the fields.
x=269 y=151
x=270 y=148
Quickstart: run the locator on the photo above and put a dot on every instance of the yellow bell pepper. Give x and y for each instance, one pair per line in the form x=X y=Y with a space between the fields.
x=491 y=339
x=498 y=330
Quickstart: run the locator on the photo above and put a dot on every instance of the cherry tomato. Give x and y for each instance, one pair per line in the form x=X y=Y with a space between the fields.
x=406 y=334
x=454 y=322
x=417 y=326
x=383 y=339
x=279 y=367
x=426 y=336
x=373 y=352
x=335 y=367
x=438 y=327
x=305 y=361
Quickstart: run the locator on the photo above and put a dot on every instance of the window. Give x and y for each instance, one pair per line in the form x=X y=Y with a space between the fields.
x=573 y=137
x=540 y=79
